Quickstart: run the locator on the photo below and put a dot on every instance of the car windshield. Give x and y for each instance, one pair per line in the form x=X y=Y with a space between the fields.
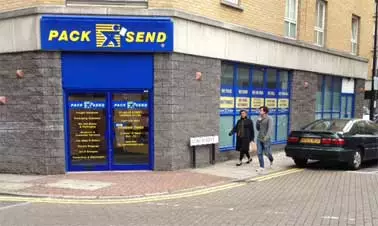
x=333 y=125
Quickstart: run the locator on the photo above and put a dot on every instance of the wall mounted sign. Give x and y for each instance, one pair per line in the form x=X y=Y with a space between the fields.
x=116 y=34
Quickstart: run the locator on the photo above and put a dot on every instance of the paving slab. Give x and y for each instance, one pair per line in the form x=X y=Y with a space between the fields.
x=14 y=178
x=8 y=186
x=79 y=185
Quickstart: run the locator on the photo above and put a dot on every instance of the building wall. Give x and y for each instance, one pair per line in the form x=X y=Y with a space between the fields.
x=31 y=123
x=303 y=100
x=184 y=108
x=7 y=5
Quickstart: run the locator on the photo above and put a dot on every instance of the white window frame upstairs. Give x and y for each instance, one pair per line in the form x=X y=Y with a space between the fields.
x=320 y=28
x=291 y=20
x=355 y=35
x=234 y=2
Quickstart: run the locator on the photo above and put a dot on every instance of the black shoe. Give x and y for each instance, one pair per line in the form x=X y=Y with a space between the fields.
x=239 y=164
x=249 y=161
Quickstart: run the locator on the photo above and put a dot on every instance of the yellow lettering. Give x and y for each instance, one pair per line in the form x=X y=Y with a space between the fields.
x=63 y=36
x=130 y=36
x=85 y=36
x=162 y=37
x=53 y=34
x=140 y=37
x=74 y=36
x=150 y=37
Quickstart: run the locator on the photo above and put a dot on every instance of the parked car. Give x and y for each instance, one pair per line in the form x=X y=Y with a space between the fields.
x=345 y=140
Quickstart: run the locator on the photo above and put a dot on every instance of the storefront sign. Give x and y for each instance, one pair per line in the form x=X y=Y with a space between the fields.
x=60 y=33
x=227 y=102
x=242 y=102
x=257 y=102
x=283 y=103
x=271 y=102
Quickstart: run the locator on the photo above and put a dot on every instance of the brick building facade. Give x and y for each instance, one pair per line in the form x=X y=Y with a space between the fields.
x=242 y=51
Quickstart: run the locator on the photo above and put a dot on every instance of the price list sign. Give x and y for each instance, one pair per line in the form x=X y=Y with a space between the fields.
x=87 y=132
x=131 y=128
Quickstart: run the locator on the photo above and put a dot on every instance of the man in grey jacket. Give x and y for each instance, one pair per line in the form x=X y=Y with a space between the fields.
x=264 y=125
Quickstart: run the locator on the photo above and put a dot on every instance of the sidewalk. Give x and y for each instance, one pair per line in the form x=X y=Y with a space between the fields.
x=132 y=184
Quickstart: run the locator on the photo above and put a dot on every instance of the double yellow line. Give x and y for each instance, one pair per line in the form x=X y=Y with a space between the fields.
x=145 y=199
x=275 y=175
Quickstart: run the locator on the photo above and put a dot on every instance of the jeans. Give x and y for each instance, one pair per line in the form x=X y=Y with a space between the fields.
x=264 y=148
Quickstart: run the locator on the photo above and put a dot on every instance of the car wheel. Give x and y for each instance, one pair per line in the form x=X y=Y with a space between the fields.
x=356 y=161
x=300 y=162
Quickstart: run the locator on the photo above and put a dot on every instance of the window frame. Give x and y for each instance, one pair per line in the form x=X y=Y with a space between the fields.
x=260 y=92
x=317 y=28
x=291 y=21
x=332 y=112
x=355 y=40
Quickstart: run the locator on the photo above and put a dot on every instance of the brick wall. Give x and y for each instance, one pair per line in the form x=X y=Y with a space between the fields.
x=303 y=100
x=360 y=98
x=31 y=123
x=185 y=108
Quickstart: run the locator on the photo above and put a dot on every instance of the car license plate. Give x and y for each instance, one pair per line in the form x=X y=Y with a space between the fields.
x=310 y=141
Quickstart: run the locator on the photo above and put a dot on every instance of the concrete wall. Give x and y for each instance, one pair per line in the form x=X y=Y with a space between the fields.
x=205 y=40
x=31 y=123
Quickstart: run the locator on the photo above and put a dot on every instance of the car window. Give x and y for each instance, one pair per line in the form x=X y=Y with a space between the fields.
x=327 y=125
x=371 y=128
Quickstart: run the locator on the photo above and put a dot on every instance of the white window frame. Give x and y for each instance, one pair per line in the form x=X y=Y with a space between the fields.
x=318 y=29
x=355 y=37
x=234 y=2
x=291 y=21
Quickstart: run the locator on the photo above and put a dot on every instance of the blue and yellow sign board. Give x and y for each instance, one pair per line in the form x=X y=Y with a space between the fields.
x=65 y=33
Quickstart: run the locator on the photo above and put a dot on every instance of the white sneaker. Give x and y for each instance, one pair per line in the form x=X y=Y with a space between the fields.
x=260 y=170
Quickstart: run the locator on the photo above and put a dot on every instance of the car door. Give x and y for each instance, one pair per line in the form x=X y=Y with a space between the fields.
x=372 y=129
x=369 y=140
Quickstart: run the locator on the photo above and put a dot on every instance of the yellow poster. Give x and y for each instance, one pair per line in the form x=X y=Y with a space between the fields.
x=227 y=102
x=283 y=103
x=271 y=102
x=242 y=102
x=257 y=102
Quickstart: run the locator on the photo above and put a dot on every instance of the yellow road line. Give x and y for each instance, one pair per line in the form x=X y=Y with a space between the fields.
x=284 y=173
x=144 y=199
x=272 y=174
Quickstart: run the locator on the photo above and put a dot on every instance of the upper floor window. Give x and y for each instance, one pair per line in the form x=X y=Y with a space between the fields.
x=355 y=34
x=235 y=2
x=320 y=22
x=291 y=18
x=109 y=2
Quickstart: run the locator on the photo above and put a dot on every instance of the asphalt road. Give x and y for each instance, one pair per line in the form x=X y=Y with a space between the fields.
x=319 y=195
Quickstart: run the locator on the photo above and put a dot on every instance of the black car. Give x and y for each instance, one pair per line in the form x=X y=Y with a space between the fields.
x=345 y=140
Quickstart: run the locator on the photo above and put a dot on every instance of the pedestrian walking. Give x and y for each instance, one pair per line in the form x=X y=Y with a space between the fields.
x=264 y=126
x=245 y=134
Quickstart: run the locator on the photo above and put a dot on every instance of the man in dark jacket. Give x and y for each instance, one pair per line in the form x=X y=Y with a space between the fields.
x=245 y=134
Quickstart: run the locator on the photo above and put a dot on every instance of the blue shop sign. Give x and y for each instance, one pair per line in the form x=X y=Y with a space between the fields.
x=88 y=105
x=130 y=105
x=116 y=34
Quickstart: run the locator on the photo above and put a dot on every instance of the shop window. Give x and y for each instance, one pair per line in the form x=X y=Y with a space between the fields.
x=331 y=102
x=258 y=78
x=271 y=78
x=227 y=77
x=250 y=87
x=284 y=80
x=226 y=124
x=243 y=77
